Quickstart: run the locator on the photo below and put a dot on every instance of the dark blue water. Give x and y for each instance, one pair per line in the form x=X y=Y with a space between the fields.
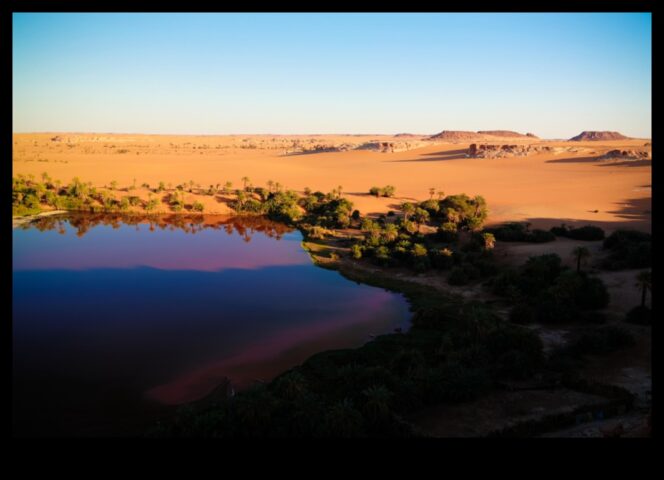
x=116 y=321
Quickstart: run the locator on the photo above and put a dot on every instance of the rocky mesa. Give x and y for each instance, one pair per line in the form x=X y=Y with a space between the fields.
x=591 y=135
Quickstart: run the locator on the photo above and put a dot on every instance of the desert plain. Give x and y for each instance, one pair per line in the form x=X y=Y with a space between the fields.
x=554 y=181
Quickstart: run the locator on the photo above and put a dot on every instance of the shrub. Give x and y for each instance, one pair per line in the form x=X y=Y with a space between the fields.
x=442 y=259
x=469 y=213
x=628 y=249
x=151 y=205
x=448 y=232
x=591 y=294
x=386 y=191
x=588 y=232
x=516 y=351
x=538 y=273
x=197 y=207
x=356 y=251
x=519 y=232
x=541 y=236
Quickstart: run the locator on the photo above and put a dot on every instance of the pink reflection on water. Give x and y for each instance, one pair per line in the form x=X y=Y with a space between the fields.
x=210 y=248
x=269 y=357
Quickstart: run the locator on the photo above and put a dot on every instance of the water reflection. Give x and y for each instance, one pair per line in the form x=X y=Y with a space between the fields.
x=169 y=242
x=245 y=227
x=116 y=318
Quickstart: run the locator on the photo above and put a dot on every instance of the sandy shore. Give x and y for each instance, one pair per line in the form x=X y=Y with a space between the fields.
x=17 y=221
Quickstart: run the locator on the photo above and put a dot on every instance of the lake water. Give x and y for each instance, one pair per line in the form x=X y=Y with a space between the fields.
x=116 y=320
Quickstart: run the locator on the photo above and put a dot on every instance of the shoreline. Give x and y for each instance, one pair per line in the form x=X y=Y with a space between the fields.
x=18 y=221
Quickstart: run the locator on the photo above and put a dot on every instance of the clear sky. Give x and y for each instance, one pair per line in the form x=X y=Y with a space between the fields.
x=551 y=74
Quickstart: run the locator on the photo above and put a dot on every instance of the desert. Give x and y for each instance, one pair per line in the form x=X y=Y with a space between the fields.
x=338 y=225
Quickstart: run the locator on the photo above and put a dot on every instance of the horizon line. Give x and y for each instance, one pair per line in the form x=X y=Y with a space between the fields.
x=61 y=132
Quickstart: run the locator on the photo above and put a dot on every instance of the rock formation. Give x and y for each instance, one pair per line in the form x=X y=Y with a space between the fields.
x=499 y=151
x=598 y=136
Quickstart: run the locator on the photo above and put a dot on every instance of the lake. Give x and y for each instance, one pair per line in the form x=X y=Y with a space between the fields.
x=117 y=320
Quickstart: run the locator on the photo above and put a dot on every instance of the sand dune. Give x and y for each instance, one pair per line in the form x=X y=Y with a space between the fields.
x=569 y=183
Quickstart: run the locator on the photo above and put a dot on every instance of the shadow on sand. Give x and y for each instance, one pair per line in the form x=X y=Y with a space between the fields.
x=604 y=163
x=634 y=212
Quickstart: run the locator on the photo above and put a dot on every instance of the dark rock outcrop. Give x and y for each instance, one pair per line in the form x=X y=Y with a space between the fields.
x=500 y=151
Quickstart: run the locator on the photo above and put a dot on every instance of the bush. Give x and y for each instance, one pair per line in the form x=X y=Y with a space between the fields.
x=356 y=251
x=520 y=232
x=468 y=213
x=541 y=236
x=442 y=259
x=386 y=191
x=516 y=352
x=591 y=294
x=197 y=207
x=589 y=232
x=448 y=232
x=538 y=273
x=628 y=249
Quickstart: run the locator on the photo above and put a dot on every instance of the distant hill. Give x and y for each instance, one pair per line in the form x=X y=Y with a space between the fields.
x=456 y=135
x=506 y=133
x=594 y=136
x=481 y=135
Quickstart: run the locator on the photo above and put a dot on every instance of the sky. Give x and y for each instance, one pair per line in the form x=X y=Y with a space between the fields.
x=550 y=74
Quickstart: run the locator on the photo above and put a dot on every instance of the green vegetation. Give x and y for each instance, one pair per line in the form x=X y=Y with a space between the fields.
x=544 y=291
x=520 y=232
x=641 y=315
x=453 y=353
x=627 y=249
x=399 y=242
x=386 y=191
x=589 y=232
x=176 y=201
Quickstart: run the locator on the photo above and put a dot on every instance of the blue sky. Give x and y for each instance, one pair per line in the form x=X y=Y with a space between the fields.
x=550 y=74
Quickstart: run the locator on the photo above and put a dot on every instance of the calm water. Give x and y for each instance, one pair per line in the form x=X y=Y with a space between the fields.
x=116 y=320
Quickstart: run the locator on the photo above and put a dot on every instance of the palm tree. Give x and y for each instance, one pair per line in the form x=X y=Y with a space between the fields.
x=270 y=184
x=580 y=253
x=339 y=188
x=377 y=401
x=644 y=281
x=408 y=209
x=489 y=241
x=245 y=180
x=440 y=194
x=432 y=191
x=227 y=187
